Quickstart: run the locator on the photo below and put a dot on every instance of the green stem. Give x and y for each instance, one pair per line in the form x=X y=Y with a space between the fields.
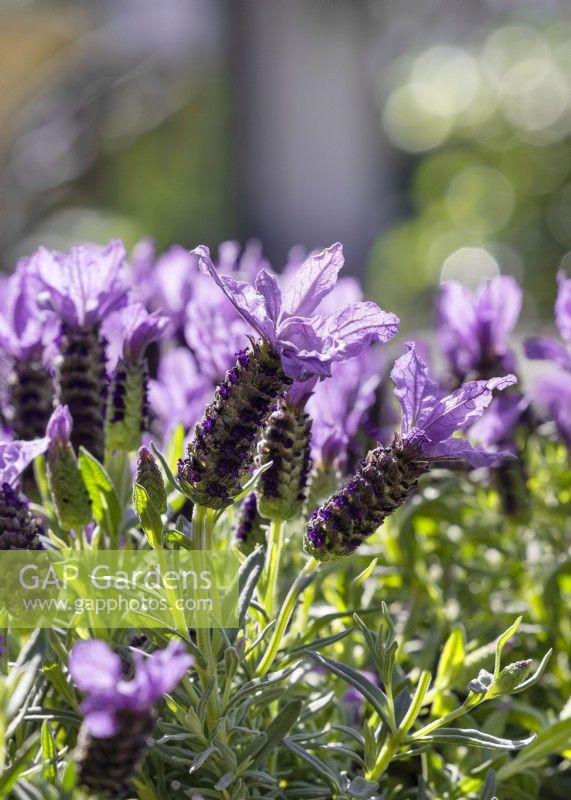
x=284 y=617
x=277 y=529
x=203 y=535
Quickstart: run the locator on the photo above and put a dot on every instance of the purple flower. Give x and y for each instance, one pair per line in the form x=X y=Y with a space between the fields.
x=473 y=327
x=15 y=457
x=26 y=331
x=337 y=407
x=544 y=347
x=180 y=392
x=307 y=342
x=130 y=331
x=82 y=286
x=430 y=420
x=98 y=672
x=553 y=391
x=59 y=428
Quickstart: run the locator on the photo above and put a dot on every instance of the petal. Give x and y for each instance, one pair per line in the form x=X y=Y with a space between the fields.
x=498 y=309
x=102 y=724
x=543 y=348
x=457 y=410
x=461 y=450
x=59 y=426
x=456 y=322
x=563 y=306
x=553 y=391
x=268 y=287
x=159 y=673
x=245 y=299
x=313 y=281
x=15 y=457
x=94 y=667
x=409 y=377
x=500 y=419
x=356 y=326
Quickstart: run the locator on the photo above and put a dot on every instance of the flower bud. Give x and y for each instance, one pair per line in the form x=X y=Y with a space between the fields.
x=383 y=482
x=148 y=475
x=127 y=408
x=69 y=495
x=225 y=439
x=285 y=443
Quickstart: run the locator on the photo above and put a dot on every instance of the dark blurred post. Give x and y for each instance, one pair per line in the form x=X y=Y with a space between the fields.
x=309 y=164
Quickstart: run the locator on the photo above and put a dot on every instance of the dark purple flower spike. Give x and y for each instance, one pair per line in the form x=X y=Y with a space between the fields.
x=119 y=713
x=473 y=327
x=388 y=476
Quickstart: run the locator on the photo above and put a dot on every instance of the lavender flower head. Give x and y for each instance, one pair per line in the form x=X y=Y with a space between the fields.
x=546 y=348
x=473 y=327
x=307 y=342
x=84 y=285
x=98 y=672
x=337 y=408
x=388 y=476
x=130 y=331
x=430 y=419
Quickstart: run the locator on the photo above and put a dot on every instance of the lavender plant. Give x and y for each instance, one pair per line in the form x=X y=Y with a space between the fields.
x=373 y=653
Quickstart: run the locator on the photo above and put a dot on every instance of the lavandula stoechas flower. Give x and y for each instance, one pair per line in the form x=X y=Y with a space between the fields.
x=553 y=391
x=82 y=287
x=387 y=476
x=129 y=332
x=119 y=714
x=473 y=327
x=27 y=336
x=67 y=488
x=19 y=530
x=296 y=343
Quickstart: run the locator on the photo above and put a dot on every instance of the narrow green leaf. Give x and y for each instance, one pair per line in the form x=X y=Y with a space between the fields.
x=451 y=660
x=489 y=787
x=279 y=728
x=49 y=753
x=372 y=693
x=474 y=738
x=316 y=765
x=104 y=501
x=149 y=517
x=500 y=644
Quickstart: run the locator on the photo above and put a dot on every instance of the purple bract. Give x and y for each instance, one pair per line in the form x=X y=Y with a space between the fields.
x=307 y=342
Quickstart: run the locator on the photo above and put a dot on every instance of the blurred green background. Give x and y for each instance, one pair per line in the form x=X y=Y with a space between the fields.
x=433 y=139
